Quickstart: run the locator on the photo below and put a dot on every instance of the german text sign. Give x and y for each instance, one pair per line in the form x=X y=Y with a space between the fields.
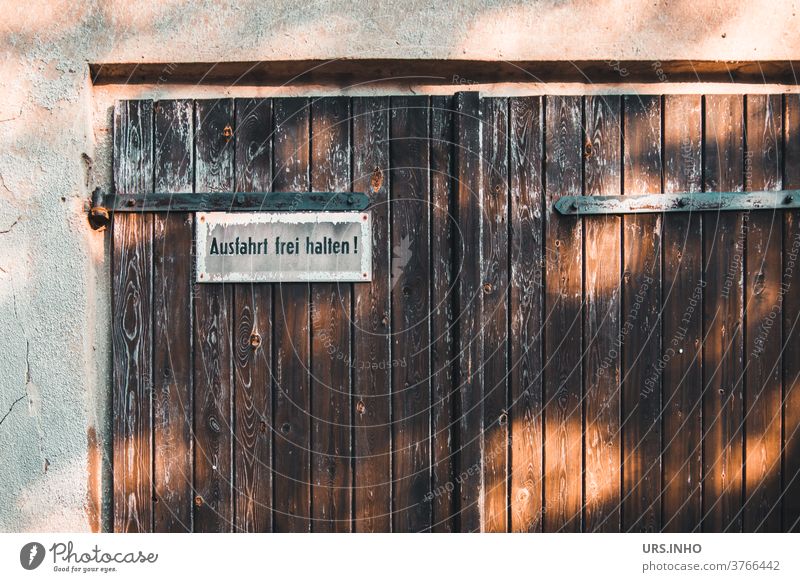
x=283 y=247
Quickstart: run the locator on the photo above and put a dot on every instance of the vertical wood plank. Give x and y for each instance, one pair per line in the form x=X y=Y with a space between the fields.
x=410 y=199
x=442 y=315
x=602 y=173
x=331 y=469
x=790 y=488
x=213 y=306
x=563 y=323
x=724 y=237
x=527 y=316
x=469 y=168
x=292 y=404
x=494 y=315
x=683 y=318
x=252 y=339
x=763 y=314
x=372 y=361
x=132 y=334
x=641 y=328
x=172 y=321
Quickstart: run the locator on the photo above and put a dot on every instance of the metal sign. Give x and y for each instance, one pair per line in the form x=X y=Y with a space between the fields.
x=283 y=247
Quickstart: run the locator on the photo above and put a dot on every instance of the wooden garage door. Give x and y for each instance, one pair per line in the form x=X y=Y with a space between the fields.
x=508 y=368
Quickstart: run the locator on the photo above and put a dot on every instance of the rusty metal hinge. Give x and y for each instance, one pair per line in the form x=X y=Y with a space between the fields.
x=683 y=202
x=103 y=205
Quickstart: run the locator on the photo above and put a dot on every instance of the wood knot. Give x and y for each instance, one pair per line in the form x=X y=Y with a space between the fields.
x=588 y=150
x=262 y=427
x=361 y=407
x=255 y=340
x=227 y=133
x=488 y=288
x=376 y=180
x=286 y=427
x=198 y=501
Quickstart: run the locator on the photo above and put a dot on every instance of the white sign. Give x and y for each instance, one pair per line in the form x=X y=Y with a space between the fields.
x=233 y=247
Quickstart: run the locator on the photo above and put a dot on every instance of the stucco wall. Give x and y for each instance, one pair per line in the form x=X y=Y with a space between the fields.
x=54 y=139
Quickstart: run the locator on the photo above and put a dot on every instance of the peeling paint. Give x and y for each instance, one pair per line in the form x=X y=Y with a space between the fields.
x=94 y=481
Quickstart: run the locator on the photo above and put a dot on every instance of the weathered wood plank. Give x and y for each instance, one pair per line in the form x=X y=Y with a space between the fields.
x=228 y=201
x=213 y=312
x=602 y=175
x=763 y=297
x=410 y=199
x=790 y=487
x=683 y=319
x=641 y=327
x=172 y=322
x=331 y=467
x=563 y=324
x=468 y=172
x=252 y=338
x=527 y=316
x=372 y=362
x=724 y=239
x=132 y=334
x=494 y=315
x=443 y=354
x=292 y=403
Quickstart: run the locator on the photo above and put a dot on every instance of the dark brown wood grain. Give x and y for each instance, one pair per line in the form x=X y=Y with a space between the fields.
x=292 y=402
x=443 y=356
x=683 y=319
x=252 y=338
x=724 y=236
x=602 y=151
x=526 y=133
x=563 y=321
x=350 y=72
x=641 y=325
x=790 y=483
x=410 y=199
x=132 y=332
x=172 y=322
x=372 y=361
x=331 y=467
x=468 y=172
x=763 y=296
x=509 y=367
x=213 y=319
x=494 y=315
